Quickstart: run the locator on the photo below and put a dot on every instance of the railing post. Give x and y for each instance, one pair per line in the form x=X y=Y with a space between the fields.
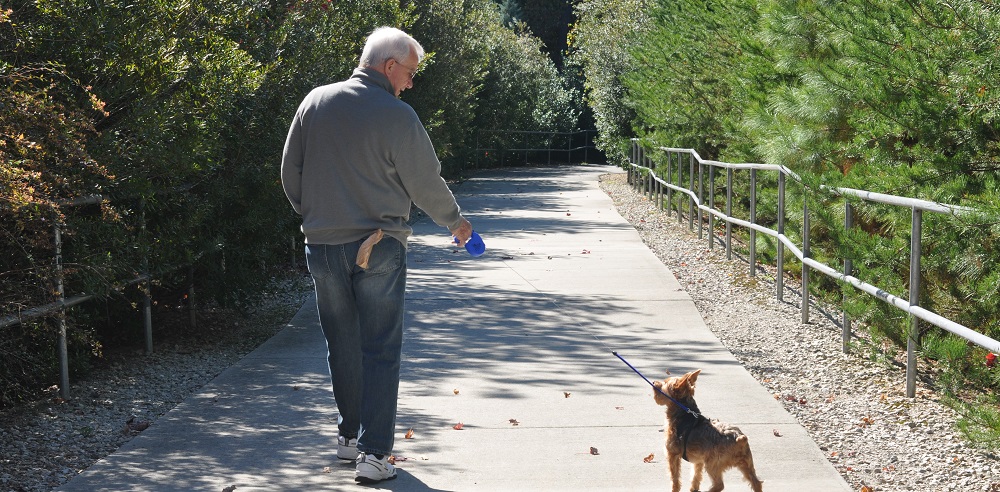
x=548 y=147
x=192 y=308
x=670 y=191
x=659 y=190
x=805 y=254
x=569 y=148
x=753 y=220
x=652 y=178
x=779 y=277
x=61 y=291
x=711 y=205
x=914 y=331
x=642 y=181
x=691 y=188
x=147 y=307
x=524 y=145
x=848 y=267
x=701 y=198
x=729 y=213
x=679 y=184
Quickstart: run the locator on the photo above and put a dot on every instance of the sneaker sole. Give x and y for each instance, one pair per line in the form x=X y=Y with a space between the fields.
x=369 y=481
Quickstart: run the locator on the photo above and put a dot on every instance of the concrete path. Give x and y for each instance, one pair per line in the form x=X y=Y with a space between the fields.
x=514 y=345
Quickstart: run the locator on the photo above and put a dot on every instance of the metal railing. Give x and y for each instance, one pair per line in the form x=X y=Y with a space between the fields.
x=60 y=306
x=642 y=172
x=523 y=143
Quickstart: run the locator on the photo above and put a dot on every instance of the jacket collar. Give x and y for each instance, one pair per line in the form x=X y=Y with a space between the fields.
x=373 y=77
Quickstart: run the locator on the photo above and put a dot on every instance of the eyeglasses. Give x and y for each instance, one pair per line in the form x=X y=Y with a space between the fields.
x=410 y=72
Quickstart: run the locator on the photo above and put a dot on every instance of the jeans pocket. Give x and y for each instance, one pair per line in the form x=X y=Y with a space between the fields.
x=387 y=256
x=316 y=260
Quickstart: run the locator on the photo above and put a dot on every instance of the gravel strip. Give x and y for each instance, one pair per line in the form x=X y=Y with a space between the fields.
x=44 y=445
x=853 y=406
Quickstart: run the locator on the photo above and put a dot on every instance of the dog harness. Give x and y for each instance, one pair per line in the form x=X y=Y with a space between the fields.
x=684 y=430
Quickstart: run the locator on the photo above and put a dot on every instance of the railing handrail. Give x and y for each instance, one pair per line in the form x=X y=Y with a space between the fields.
x=569 y=149
x=910 y=306
x=870 y=196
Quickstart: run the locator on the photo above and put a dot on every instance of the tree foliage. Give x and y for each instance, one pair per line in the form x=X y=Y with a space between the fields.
x=892 y=97
x=168 y=118
x=599 y=46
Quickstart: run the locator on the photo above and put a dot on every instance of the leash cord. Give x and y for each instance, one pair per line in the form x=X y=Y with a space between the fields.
x=683 y=407
x=616 y=354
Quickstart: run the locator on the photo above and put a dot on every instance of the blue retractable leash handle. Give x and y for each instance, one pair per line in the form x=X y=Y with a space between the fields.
x=475 y=245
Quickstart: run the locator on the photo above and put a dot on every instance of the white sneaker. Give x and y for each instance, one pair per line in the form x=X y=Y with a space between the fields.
x=347 y=448
x=370 y=469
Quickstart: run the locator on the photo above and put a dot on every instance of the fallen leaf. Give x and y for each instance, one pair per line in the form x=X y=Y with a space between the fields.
x=565 y=394
x=648 y=459
x=619 y=408
x=593 y=451
x=456 y=391
x=865 y=488
x=776 y=433
x=586 y=252
x=568 y=214
x=513 y=421
x=458 y=426
x=409 y=434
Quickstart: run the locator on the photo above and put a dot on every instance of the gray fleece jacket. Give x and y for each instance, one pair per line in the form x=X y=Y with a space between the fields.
x=355 y=158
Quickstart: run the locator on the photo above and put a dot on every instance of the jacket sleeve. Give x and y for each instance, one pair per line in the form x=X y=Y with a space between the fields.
x=291 y=164
x=420 y=172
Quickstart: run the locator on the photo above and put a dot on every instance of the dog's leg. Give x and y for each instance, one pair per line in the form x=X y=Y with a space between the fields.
x=750 y=474
x=674 y=461
x=696 y=480
x=746 y=466
x=716 y=476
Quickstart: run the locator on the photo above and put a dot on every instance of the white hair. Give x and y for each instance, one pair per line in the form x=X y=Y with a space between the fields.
x=387 y=43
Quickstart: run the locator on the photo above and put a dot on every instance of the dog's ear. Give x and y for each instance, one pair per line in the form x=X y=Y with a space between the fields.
x=691 y=377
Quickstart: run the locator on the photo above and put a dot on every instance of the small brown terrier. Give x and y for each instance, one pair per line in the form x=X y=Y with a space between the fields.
x=711 y=446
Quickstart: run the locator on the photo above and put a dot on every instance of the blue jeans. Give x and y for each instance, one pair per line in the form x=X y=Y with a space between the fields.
x=361 y=312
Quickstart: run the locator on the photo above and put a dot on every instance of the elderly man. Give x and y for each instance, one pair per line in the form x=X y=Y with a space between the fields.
x=355 y=159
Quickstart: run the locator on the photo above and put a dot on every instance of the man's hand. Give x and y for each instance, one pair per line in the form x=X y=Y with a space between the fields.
x=463 y=232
